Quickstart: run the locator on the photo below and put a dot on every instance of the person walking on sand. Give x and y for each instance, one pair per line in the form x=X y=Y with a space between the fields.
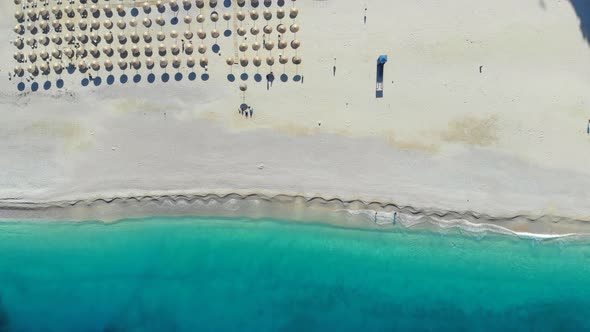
x=334 y=68
x=251 y=111
x=269 y=79
x=588 y=128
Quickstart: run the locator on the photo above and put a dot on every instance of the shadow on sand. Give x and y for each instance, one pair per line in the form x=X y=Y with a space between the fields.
x=582 y=8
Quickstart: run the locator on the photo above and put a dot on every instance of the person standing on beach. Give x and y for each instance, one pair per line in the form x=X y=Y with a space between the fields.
x=588 y=128
x=334 y=68
x=251 y=111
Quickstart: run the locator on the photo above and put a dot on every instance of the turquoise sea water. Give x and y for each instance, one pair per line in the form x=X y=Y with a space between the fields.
x=204 y=274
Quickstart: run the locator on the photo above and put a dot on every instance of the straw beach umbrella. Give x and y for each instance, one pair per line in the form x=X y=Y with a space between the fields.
x=58 y=68
x=147 y=37
x=19 y=71
x=244 y=62
x=108 y=64
x=108 y=51
x=175 y=49
x=190 y=62
x=163 y=62
x=176 y=62
x=214 y=17
x=188 y=49
x=243 y=88
x=257 y=61
x=254 y=14
x=149 y=63
x=108 y=24
x=204 y=62
x=147 y=50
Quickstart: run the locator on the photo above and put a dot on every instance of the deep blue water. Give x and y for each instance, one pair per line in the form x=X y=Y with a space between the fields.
x=582 y=8
x=198 y=274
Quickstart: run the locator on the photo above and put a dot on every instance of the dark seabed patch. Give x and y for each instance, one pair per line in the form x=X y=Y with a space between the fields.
x=4 y=319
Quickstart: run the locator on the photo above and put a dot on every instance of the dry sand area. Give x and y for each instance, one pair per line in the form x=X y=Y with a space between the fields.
x=508 y=140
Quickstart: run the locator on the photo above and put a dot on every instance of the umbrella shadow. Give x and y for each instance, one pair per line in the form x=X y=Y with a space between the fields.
x=582 y=8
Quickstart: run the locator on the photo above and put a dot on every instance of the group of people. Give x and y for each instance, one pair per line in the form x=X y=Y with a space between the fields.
x=393 y=220
x=247 y=111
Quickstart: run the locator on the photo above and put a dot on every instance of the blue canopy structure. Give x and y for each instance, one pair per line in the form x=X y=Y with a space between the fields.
x=380 y=64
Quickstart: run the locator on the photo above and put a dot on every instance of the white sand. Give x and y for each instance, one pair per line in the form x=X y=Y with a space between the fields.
x=511 y=140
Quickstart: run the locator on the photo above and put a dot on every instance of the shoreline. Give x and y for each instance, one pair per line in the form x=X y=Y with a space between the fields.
x=332 y=211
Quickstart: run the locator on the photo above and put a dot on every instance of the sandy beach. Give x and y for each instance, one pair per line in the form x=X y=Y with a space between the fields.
x=485 y=109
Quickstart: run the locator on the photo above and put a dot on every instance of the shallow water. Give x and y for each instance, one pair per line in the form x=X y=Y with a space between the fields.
x=189 y=274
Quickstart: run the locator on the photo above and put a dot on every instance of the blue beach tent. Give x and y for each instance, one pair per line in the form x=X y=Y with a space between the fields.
x=380 y=64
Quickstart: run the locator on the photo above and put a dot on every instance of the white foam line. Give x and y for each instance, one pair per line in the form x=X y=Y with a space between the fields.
x=464 y=225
